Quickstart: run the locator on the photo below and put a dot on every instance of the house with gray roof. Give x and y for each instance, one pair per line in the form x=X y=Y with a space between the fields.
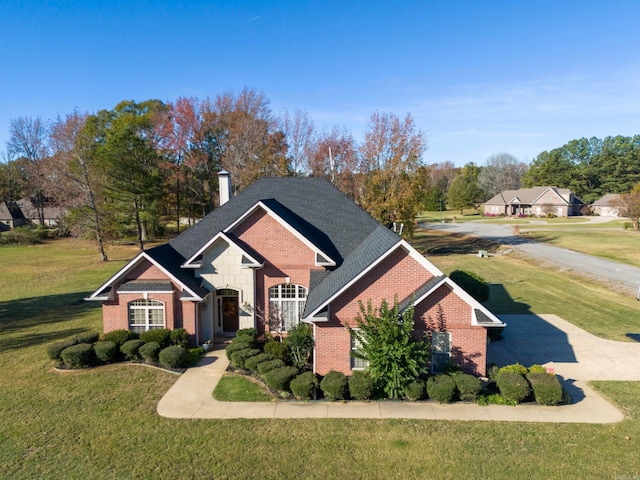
x=290 y=250
x=11 y=216
x=538 y=201
x=605 y=205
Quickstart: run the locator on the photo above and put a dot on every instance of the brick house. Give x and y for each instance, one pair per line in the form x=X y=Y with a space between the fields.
x=291 y=250
x=538 y=201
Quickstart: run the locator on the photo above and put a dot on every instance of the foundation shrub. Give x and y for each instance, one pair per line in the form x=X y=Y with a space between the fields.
x=304 y=386
x=238 y=358
x=247 y=333
x=159 y=335
x=172 y=357
x=513 y=386
x=468 y=386
x=119 y=336
x=130 y=349
x=267 y=366
x=81 y=355
x=360 y=385
x=236 y=346
x=471 y=283
x=441 y=388
x=179 y=336
x=277 y=349
x=300 y=342
x=334 y=386
x=415 y=391
x=547 y=389
x=537 y=369
x=55 y=349
x=253 y=362
x=150 y=351
x=88 y=337
x=106 y=351
x=515 y=367
x=279 y=378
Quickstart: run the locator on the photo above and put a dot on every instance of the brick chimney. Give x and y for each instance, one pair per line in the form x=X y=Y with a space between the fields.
x=224 y=186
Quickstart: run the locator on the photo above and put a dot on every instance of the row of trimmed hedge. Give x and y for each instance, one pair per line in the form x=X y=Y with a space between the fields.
x=518 y=383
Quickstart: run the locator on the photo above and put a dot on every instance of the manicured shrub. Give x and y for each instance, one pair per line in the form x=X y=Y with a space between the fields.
x=88 y=337
x=253 y=362
x=547 y=389
x=513 y=386
x=150 y=351
x=119 y=336
x=193 y=356
x=304 y=386
x=265 y=367
x=537 y=369
x=277 y=349
x=160 y=335
x=471 y=283
x=130 y=349
x=334 y=386
x=173 y=356
x=468 y=386
x=515 y=368
x=236 y=346
x=179 y=336
x=55 y=349
x=106 y=351
x=415 y=390
x=441 y=388
x=360 y=385
x=300 y=342
x=238 y=358
x=279 y=378
x=81 y=355
x=250 y=333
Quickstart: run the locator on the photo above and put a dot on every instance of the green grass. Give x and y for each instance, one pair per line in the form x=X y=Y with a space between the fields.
x=102 y=423
x=236 y=388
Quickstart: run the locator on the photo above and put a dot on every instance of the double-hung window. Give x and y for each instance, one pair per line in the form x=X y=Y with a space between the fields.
x=440 y=351
x=357 y=363
x=145 y=314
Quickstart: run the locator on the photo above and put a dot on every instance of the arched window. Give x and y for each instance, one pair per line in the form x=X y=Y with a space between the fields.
x=145 y=314
x=286 y=303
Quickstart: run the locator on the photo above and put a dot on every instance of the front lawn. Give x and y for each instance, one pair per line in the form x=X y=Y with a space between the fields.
x=238 y=388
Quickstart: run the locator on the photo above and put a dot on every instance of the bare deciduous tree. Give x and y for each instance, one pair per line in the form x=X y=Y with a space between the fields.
x=502 y=171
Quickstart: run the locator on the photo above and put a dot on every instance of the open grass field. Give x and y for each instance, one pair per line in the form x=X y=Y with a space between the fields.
x=102 y=423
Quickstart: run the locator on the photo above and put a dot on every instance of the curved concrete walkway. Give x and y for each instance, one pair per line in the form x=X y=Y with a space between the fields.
x=575 y=355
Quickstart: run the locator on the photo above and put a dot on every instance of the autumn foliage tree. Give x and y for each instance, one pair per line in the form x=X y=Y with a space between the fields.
x=628 y=205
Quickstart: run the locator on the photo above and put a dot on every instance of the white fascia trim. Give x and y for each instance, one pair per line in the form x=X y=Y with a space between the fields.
x=429 y=292
x=515 y=200
x=116 y=276
x=145 y=291
x=473 y=303
x=223 y=236
x=359 y=276
x=296 y=233
x=421 y=259
x=557 y=194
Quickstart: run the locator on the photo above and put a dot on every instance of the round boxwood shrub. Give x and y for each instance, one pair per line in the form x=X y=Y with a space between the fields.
x=236 y=346
x=106 y=351
x=130 y=349
x=468 y=386
x=265 y=367
x=537 y=369
x=277 y=349
x=173 y=356
x=360 y=385
x=547 y=389
x=238 y=358
x=55 y=349
x=513 y=386
x=249 y=333
x=304 y=386
x=150 y=351
x=88 y=337
x=334 y=386
x=81 y=355
x=415 y=390
x=279 y=378
x=515 y=368
x=471 y=283
x=119 y=336
x=441 y=388
x=252 y=363
x=160 y=335
x=179 y=336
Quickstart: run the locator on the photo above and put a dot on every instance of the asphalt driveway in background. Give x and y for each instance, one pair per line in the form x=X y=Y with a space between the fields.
x=620 y=275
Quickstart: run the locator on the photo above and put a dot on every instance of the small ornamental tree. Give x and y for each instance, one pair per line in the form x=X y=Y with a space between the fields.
x=386 y=338
x=300 y=341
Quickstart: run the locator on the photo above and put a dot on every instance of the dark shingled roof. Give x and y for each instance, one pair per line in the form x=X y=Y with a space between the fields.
x=171 y=260
x=424 y=288
x=146 y=286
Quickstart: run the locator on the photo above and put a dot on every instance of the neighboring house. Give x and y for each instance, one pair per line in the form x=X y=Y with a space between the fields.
x=538 y=201
x=52 y=213
x=11 y=216
x=290 y=250
x=604 y=207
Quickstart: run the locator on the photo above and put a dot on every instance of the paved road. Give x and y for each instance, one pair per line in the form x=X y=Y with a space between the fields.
x=619 y=274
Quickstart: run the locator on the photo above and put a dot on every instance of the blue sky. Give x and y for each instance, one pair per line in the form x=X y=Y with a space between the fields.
x=478 y=77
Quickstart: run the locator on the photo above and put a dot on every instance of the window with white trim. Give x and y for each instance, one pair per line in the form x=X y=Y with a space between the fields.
x=357 y=363
x=145 y=314
x=286 y=302
x=440 y=351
